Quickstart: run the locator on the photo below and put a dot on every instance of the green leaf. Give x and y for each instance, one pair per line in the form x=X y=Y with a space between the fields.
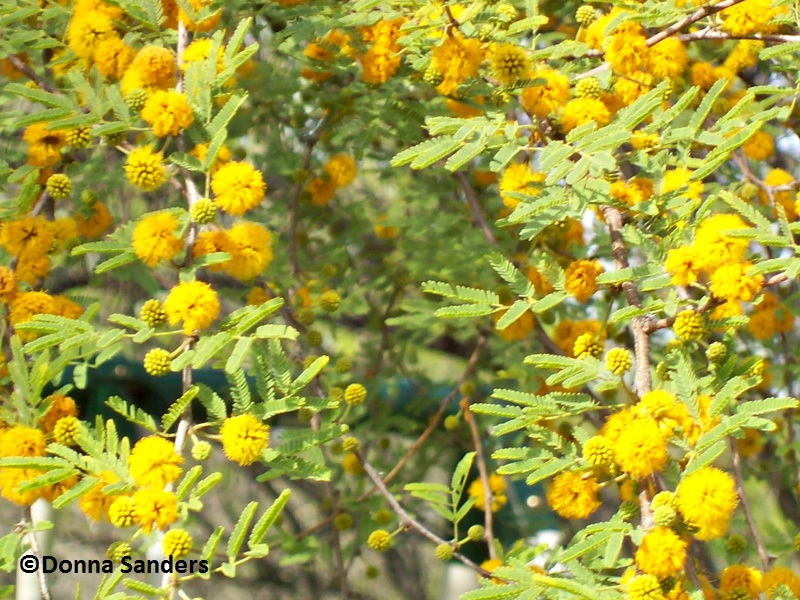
x=38 y=95
x=549 y=301
x=240 y=351
x=266 y=521
x=210 y=547
x=465 y=154
x=517 y=309
x=132 y=413
x=308 y=375
x=459 y=478
x=464 y=311
x=707 y=456
x=240 y=529
x=178 y=408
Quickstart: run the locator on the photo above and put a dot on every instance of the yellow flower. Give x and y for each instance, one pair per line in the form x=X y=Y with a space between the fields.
x=518 y=177
x=155 y=508
x=155 y=67
x=209 y=242
x=238 y=187
x=176 y=543
x=145 y=168
x=206 y=24
x=598 y=452
x=630 y=88
x=8 y=283
x=28 y=236
x=96 y=222
x=784 y=197
x=545 y=99
x=574 y=496
x=742 y=579
x=223 y=156
x=456 y=59
x=581 y=279
x=668 y=58
x=12 y=478
x=44 y=146
x=751 y=16
x=22 y=441
x=627 y=52
x=383 y=59
x=640 y=448
x=60 y=406
x=689 y=325
x=153 y=462
x=26 y=306
x=322 y=190
x=759 y=147
x=167 y=112
x=30 y=269
x=713 y=246
x=64 y=230
x=342 y=169
x=112 y=56
x=86 y=31
x=154 y=238
x=731 y=282
x=497 y=486
x=662 y=553
x=682 y=264
x=257 y=296
x=122 y=512
x=94 y=503
x=509 y=63
x=666 y=410
x=645 y=587
x=678 y=179
x=252 y=250
x=781 y=576
x=244 y=438
x=706 y=499
x=194 y=303
x=583 y=110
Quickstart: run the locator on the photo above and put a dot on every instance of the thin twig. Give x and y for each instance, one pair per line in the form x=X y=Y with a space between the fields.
x=748 y=513
x=34 y=542
x=642 y=379
x=20 y=65
x=700 y=13
x=408 y=521
x=484 y=474
x=475 y=208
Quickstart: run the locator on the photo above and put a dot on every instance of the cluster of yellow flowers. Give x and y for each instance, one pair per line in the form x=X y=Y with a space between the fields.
x=340 y=171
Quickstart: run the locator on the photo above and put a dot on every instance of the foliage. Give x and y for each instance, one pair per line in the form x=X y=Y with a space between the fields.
x=585 y=215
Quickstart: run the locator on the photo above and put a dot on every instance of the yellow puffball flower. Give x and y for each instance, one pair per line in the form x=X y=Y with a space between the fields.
x=155 y=67
x=456 y=59
x=707 y=499
x=112 y=57
x=155 y=508
x=645 y=587
x=509 y=63
x=627 y=51
x=94 y=221
x=145 y=168
x=518 y=177
x=583 y=110
x=780 y=576
x=678 y=179
x=86 y=31
x=497 y=486
x=731 y=282
x=640 y=448
x=574 y=496
x=379 y=540
x=662 y=553
x=683 y=264
x=244 y=438
x=668 y=58
x=153 y=462
x=342 y=169
x=44 y=146
x=122 y=512
x=176 y=543
x=22 y=441
x=238 y=187
x=546 y=99
x=740 y=578
x=10 y=480
x=251 y=250
x=581 y=279
x=94 y=503
x=154 y=238
x=194 y=303
x=168 y=112
x=60 y=406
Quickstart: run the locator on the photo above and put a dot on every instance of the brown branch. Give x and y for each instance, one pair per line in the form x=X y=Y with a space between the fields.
x=484 y=474
x=408 y=521
x=22 y=66
x=748 y=513
x=475 y=208
x=642 y=379
x=715 y=34
x=700 y=13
